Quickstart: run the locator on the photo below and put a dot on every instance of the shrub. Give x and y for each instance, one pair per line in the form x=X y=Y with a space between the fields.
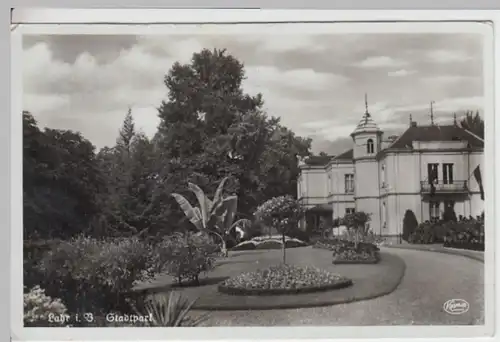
x=428 y=233
x=449 y=214
x=91 y=275
x=187 y=255
x=38 y=307
x=466 y=234
x=33 y=252
x=283 y=279
x=299 y=234
x=410 y=224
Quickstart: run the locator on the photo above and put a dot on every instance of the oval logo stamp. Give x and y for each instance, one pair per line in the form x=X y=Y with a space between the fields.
x=456 y=306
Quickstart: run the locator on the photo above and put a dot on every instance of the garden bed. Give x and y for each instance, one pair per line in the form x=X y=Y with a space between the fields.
x=345 y=252
x=283 y=279
x=370 y=261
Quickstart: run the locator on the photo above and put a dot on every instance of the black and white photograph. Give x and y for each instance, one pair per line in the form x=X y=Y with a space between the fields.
x=257 y=178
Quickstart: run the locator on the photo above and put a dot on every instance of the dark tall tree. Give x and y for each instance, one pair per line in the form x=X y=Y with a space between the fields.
x=410 y=224
x=61 y=181
x=473 y=123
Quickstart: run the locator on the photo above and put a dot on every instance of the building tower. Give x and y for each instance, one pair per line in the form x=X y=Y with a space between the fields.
x=367 y=139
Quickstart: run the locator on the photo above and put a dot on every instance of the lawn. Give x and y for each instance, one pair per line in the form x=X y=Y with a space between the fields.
x=369 y=281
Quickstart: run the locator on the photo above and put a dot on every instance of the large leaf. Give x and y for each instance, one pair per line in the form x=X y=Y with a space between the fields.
x=171 y=311
x=230 y=205
x=193 y=214
x=220 y=189
x=200 y=195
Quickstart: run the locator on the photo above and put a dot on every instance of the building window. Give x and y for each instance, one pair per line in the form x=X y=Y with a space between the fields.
x=349 y=211
x=432 y=173
x=369 y=146
x=447 y=173
x=434 y=213
x=349 y=183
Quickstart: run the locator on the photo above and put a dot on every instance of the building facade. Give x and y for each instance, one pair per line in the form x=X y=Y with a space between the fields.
x=424 y=169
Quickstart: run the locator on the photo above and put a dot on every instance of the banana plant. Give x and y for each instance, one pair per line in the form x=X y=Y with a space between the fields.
x=212 y=216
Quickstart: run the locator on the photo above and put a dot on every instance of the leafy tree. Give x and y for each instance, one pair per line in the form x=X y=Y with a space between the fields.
x=283 y=213
x=61 y=181
x=473 y=123
x=216 y=130
x=410 y=224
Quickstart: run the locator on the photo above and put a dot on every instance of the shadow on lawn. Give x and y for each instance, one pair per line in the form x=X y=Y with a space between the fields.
x=206 y=281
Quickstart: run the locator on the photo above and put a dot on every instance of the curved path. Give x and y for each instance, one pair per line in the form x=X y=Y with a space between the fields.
x=430 y=280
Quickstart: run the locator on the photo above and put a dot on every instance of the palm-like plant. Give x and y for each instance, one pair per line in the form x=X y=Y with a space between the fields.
x=171 y=311
x=212 y=216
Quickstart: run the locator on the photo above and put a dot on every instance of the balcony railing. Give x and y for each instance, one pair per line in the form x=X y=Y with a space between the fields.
x=441 y=187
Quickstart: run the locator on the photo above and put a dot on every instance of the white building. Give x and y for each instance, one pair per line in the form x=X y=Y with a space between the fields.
x=387 y=176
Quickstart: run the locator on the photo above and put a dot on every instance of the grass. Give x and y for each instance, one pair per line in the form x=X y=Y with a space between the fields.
x=369 y=281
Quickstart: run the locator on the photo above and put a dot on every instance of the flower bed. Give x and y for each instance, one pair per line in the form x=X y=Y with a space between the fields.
x=345 y=252
x=268 y=243
x=465 y=234
x=283 y=279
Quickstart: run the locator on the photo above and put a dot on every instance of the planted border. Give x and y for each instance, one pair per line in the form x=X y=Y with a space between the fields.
x=271 y=292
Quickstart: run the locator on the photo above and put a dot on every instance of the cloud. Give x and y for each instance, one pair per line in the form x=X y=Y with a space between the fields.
x=381 y=62
x=444 y=79
x=315 y=84
x=447 y=56
x=401 y=73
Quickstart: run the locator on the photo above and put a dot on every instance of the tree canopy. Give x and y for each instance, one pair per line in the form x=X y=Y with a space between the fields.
x=209 y=129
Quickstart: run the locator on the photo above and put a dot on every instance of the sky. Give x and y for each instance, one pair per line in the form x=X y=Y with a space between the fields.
x=315 y=83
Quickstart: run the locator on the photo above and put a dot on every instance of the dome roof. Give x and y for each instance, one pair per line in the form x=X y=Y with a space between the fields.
x=366 y=124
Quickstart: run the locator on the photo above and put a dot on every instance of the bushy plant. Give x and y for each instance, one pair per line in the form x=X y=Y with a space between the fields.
x=467 y=234
x=345 y=250
x=215 y=216
x=41 y=310
x=449 y=214
x=92 y=275
x=186 y=255
x=428 y=233
x=33 y=252
x=410 y=224
x=282 y=213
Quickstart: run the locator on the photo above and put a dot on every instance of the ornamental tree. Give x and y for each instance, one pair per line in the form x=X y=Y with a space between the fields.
x=283 y=213
x=357 y=226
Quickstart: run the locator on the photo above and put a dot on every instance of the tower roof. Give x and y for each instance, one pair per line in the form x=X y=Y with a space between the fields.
x=366 y=124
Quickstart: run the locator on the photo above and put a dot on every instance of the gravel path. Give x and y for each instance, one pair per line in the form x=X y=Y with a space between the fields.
x=430 y=280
